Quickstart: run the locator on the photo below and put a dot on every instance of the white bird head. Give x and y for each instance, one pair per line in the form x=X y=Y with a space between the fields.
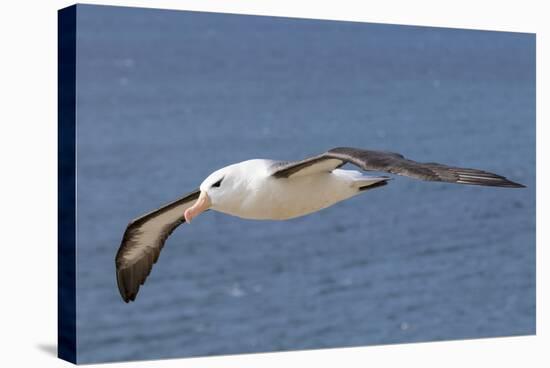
x=223 y=190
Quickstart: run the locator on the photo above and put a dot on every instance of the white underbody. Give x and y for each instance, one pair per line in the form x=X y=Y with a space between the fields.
x=261 y=196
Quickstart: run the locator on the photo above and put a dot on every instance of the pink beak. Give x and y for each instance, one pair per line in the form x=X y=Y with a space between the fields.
x=201 y=205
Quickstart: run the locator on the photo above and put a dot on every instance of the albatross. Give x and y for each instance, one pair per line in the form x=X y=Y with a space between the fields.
x=263 y=189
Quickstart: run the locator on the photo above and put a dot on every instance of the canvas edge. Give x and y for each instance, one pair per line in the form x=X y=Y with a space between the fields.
x=66 y=159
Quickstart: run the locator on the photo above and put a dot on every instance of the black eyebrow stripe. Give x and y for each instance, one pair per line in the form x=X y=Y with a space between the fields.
x=218 y=183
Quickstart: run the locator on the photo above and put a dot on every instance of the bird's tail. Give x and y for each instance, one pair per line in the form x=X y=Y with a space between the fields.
x=375 y=185
x=359 y=180
x=370 y=182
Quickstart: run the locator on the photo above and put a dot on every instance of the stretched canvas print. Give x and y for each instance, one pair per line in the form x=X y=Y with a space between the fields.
x=235 y=184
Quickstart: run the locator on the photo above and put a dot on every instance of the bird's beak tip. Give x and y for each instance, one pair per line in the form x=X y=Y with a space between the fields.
x=187 y=216
x=201 y=205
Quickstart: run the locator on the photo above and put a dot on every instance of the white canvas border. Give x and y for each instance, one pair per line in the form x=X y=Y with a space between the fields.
x=29 y=181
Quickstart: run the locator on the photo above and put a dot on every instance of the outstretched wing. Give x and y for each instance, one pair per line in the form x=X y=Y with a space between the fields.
x=393 y=163
x=142 y=242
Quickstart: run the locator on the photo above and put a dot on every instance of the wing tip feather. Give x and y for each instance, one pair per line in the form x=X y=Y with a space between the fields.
x=488 y=179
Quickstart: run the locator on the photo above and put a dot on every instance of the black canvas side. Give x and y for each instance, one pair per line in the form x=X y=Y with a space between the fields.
x=66 y=272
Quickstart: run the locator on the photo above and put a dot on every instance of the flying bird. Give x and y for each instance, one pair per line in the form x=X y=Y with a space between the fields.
x=262 y=189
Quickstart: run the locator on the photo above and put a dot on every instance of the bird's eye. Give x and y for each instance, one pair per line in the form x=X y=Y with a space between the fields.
x=217 y=184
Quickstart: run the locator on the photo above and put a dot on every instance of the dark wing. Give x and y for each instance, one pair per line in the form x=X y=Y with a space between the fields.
x=142 y=242
x=393 y=163
x=321 y=163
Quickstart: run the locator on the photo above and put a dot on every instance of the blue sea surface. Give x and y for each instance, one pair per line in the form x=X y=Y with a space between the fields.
x=166 y=97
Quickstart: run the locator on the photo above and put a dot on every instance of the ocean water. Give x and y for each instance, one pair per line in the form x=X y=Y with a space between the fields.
x=166 y=97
